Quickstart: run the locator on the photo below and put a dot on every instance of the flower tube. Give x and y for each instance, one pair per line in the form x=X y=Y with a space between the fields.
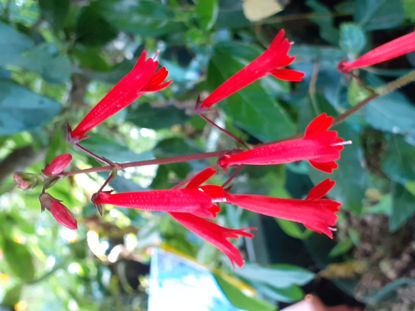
x=272 y=62
x=392 y=49
x=319 y=146
x=59 y=211
x=143 y=78
x=57 y=165
x=214 y=234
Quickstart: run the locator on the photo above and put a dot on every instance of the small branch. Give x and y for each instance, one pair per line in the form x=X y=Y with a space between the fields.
x=354 y=109
x=238 y=170
x=95 y=156
x=177 y=159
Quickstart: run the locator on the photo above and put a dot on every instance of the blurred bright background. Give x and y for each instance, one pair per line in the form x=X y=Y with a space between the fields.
x=59 y=57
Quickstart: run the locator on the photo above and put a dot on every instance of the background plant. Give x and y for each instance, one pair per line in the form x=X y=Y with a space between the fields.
x=61 y=57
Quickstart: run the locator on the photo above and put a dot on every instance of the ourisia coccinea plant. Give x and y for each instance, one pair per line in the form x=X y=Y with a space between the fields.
x=194 y=201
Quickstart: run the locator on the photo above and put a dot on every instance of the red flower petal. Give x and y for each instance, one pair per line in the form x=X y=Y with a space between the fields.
x=395 y=48
x=315 y=213
x=269 y=62
x=171 y=200
x=58 y=165
x=319 y=146
x=216 y=235
x=59 y=211
x=143 y=78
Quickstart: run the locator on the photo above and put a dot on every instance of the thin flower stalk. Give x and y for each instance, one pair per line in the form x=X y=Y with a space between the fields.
x=214 y=234
x=272 y=62
x=188 y=200
x=392 y=49
x=319 y=146
x=143 y=78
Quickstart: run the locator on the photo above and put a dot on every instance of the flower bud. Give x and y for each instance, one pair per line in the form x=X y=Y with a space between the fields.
x=57 y=165
x=27 y=181
x=59 y=211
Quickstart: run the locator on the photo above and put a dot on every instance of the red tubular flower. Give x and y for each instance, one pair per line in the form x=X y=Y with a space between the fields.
x=59 y=211
x=314 y=212
x=271 y=62
x=216 y=235
x=319 y=146
x=387 y=51
x=188 y=200
x=143 y=78
x=57 y=165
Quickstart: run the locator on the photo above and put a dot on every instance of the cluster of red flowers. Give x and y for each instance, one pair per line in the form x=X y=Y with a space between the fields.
x=196 y=201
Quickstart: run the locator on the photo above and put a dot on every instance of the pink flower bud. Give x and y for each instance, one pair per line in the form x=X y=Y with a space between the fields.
x=57 y=165
x=59 y=211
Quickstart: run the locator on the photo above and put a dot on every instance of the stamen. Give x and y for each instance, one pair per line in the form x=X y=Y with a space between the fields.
x=347 y=142
x=219 y=200
x=333 y=229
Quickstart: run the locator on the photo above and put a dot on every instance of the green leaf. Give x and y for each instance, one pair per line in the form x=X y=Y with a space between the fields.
x=352 y=38
x=55 y=12
x=156 y=118
x=403 y=207
x=231 y=15
x=341 y=248
x=379 y=14
x=92 y=28
x=279 y=276
x=287 y=294
x=410 y=186
x=22 y=109
x=251 y=108
x=207 y=11
x=328 y=57
x=15 y=44
x=327 y=30
x=112 y=150
x=398 y=160
x=46 y=60
x=144 y=17
x=175 y=146
x=409 y=8
x=293 y=229
x=19 y=260
x=356 y=93
x=12 y=296
x=239 y=299
x=392 y=113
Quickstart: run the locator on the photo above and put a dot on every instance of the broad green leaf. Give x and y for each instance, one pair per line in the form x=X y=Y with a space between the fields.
x=92 y=28
x=145 y=18
x=392 y=113
x=356 y=93
x=341 y=248
x=112 y=150
x=19 y=260
x=403 y=207
x=409 y=8
x=398 y=160
x=46 y=60
x=327 y=56
x=156 y=118
x=176 y=146
x=293 y=229
x=239 y=299
x=287 y=294
x=231 y=15
x=22 y=109
x=15 y=44
x=410 y=186
x=251 y=108
x=379 y=14
x=352 y=38
x=12 y=296
x=327 y=30
x=55 y=12
x=207 y=12
x=279 y=276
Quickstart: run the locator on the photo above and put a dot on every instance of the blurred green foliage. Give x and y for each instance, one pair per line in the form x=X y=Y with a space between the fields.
x=59 y=57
